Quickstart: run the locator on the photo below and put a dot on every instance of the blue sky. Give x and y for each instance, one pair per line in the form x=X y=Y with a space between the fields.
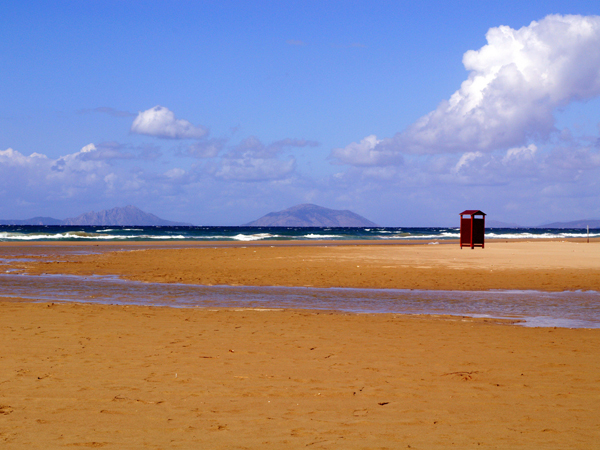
x=216 y=113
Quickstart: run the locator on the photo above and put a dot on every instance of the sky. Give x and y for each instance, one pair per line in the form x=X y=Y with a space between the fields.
x=218 y=112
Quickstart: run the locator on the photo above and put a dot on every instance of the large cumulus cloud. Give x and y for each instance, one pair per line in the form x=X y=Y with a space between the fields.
x=516 y=82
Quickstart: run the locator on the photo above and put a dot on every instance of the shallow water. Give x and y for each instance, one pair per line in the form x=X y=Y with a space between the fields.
x=548 y=309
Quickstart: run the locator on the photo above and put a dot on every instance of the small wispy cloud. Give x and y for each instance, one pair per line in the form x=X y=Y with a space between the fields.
x=352 y=45
x=253 y=161
x=296 y=42
x=107 y=110
x=207 y=148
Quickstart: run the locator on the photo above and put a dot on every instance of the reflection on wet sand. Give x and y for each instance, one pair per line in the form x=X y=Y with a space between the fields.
x=533 y=308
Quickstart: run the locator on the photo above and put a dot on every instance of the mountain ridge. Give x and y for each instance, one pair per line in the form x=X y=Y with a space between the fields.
x=118 y=216
x=33 y=221
x=583 y=223
x=303 y=215
x=309 y=215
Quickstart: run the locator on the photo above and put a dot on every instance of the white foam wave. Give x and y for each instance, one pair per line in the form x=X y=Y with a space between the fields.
x=422 y=236
x=124 y=235
x=78 y=235
x=38 y=236
x=254 y=237
x=539 y=236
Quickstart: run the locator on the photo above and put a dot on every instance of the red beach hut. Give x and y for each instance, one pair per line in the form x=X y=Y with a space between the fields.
x=472 y=229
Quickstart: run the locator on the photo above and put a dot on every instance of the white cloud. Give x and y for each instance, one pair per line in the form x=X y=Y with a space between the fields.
x=569 y=160
x=40 y=166
x=81 y=161
x=83 y=180
x=278 y=146
x=366 y=153
x=253 y=145
x=515 y=84
x=161 y=122
x=520 y=154
x=37 y=178
x=251 y=160
x=112 y=172
x=10 y=157
x=108 y=151
x=175 y=173
x=255 y=169
x=381 y=173
x=466 y=159
x=205 y=148
x=110 y=179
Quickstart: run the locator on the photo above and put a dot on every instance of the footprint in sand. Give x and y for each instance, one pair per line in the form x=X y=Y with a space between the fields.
x=5 y=410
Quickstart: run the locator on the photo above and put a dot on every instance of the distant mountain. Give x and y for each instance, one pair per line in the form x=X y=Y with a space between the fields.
x=33 y=221
x=308 y=215
x=127 y=216
x=592 y=223
x=500 y=224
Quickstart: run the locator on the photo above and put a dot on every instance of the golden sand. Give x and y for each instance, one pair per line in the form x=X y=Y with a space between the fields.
x=550 y=266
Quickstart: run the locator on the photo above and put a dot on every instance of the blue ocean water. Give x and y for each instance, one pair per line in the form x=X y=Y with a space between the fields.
x=246 y=234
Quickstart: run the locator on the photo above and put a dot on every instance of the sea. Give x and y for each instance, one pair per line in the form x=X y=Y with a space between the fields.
x=248 y=234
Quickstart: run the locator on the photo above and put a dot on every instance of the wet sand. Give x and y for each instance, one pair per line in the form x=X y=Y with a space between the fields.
x=538 y=265
x=85 y=375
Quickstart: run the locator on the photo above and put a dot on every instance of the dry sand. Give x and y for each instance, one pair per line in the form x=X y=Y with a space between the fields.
x=84 y=375
x=141 y=377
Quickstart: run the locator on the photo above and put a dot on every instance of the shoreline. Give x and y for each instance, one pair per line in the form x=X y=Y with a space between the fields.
x=279 y=242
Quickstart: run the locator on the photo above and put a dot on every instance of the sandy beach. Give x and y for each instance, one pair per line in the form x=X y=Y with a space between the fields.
x=540 y=265
x=88 y=375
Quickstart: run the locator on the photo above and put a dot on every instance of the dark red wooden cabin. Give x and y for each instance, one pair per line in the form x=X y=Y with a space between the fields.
x=472 y=229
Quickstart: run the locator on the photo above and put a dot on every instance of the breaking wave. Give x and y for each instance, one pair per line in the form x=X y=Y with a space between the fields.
x=246 y=234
